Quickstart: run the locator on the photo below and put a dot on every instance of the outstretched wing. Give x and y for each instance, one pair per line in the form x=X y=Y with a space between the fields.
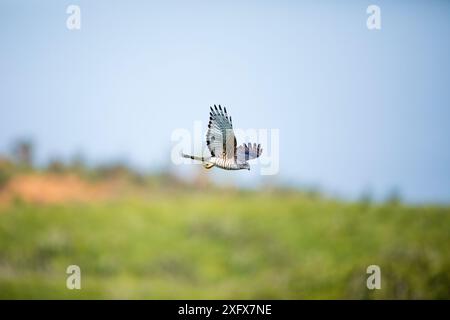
x=220 y=137
x=247 y=152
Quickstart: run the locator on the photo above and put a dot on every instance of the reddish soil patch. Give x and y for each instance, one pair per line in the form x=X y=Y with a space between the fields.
x=53 y=188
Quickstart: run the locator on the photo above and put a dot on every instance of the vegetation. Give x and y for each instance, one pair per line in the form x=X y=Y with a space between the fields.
x=227 y=244
x=156 y=237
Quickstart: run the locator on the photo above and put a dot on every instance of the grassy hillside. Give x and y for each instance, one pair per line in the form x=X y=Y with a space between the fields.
x=232 y=245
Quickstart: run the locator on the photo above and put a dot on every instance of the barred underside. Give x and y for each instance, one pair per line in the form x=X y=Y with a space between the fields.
x=227 y=164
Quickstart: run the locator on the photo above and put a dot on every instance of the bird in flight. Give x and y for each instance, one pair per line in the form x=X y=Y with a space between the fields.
x=222 y=144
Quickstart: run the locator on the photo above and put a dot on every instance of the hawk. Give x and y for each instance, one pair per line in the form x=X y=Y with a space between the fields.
x=222 y=144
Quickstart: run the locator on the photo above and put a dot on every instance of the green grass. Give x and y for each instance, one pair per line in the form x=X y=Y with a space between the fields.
x=236 y=245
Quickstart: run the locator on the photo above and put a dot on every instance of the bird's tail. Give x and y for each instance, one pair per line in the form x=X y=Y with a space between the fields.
x=204 y=160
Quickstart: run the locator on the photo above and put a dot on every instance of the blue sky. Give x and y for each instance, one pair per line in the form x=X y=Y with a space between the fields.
x=357 y=109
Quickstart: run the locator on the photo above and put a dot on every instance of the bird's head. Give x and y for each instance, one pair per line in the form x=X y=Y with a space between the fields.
x=245 y=165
